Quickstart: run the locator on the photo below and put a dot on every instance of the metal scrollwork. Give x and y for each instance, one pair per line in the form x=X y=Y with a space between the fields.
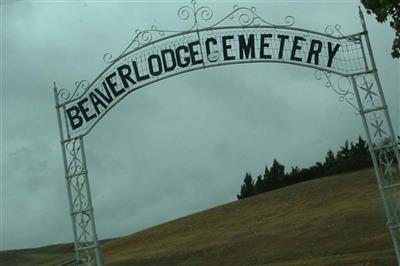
x=198 y=16
x=335 y=31
x=84 y=236
x=141 y=38
x=75 y=163
x=80 y=201
x=248 y=17
x=342 y=86
x=185 y=12
x=205 y=13
x=80 y=88
x=63 y=95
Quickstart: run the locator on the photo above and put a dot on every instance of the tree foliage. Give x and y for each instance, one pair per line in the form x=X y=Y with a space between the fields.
x=350 y=157
x=387 y=10
x=247 y=188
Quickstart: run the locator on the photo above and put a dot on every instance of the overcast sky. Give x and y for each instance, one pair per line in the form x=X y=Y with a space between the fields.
x=170 y=149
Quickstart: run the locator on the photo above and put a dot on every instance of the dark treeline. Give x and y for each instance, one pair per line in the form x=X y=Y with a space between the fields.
x=350 y=157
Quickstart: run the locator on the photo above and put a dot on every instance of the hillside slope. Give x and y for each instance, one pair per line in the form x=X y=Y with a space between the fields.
x=336 y=220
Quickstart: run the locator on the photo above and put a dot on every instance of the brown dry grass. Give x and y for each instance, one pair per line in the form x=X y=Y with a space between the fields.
x=336 y=220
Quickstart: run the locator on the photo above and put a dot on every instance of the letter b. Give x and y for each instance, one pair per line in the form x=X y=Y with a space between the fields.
x=75 y=120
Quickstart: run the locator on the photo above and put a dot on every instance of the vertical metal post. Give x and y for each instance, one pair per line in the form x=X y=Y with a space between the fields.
x=99 y=256
x=198 y=33
x=70 y=203
x=379 y=85
x=385 y=151
x=86 y=242
x=387 y=202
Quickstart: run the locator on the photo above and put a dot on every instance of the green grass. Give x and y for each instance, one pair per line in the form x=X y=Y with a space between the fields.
x=336 y=220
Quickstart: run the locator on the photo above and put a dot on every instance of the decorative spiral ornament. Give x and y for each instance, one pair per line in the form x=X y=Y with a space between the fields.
x=342 y=86
x=75 y=165
x=289 y=21
x=185 y=12
x=205 y=13
x=244 y=19
x=334 y=30
x=141 y=38
x=318 y=74
x=63 y=95
x=81 y=87
x=145 y=37
x=197 y=16
x=108 y=58
x=81 y=84
x=249 y=17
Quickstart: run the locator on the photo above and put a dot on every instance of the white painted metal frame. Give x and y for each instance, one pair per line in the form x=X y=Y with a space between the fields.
x=382 y=141
x=87 y=246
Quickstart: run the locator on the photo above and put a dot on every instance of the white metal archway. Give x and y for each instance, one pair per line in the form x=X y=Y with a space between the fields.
x=345 y=62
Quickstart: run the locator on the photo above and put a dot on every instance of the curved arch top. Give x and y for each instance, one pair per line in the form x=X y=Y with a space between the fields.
x=154 y=55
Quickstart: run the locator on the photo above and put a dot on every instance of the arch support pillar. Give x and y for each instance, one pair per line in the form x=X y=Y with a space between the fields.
x=383 y=147
x=86 y=243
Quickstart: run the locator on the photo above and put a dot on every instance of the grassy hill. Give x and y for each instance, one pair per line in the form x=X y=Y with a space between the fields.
x=336 y=220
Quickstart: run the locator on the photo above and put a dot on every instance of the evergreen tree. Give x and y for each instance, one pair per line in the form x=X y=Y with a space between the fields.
x=247 y=189
x=267 y=180
x=361 y=146
x=344 y=151
x=293 y=176
x=267 y=173
x=350 y=157
x=277 y=169
x=259 y=186
x=277 y=175
x=295 y=171
x=330 y=158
